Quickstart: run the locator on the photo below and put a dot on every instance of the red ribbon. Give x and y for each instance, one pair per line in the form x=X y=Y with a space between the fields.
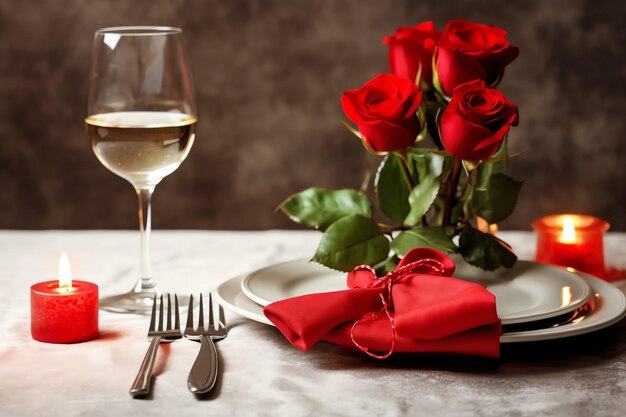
x=428 y=266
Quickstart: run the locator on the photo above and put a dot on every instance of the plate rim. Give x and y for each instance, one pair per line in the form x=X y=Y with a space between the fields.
x=222 y=300
x=517 y=319
x=551 y=333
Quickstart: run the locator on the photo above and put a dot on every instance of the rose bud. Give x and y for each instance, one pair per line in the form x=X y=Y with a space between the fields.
x=407 y=52
x=476 y=120
x=468 y=51
x=384 y=110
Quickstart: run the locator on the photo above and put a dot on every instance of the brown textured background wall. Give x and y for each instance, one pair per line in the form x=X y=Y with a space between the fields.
x=268 y=77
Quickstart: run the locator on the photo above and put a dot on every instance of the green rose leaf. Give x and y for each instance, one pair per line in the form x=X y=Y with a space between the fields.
x=497 y=201
x=432 y=237
x=391 y=189
x=352 y=241
x=484 y=250
x=426 y=163
x=319 y=207
x=421 y=198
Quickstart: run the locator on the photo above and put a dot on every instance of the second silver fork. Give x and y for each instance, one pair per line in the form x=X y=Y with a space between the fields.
x=203 y=374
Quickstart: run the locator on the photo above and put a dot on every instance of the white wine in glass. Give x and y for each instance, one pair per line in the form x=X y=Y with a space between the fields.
x=141 y=122
x=142 y=147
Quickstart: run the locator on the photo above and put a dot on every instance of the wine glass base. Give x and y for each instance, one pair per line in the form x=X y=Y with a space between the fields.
x=137 y=302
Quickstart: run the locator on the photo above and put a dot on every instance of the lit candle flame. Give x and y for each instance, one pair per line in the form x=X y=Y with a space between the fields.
x=568 y=235
x=65 y=273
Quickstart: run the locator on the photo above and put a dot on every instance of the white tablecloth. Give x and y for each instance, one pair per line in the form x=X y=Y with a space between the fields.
x=262 y=373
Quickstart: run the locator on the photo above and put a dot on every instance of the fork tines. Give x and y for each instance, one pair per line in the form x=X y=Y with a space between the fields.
x=213 y=326
x=155 y=329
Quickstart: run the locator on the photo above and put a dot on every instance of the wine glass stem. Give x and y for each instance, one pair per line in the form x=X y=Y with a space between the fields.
x=145 y=283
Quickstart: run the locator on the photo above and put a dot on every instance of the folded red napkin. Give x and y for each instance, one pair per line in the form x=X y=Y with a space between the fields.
x=418 y=307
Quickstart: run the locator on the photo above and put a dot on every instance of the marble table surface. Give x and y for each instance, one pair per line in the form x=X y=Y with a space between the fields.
x=262 y=374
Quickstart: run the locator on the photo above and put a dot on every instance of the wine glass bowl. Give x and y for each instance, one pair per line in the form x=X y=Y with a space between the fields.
x=141 y=120
x=141 y=147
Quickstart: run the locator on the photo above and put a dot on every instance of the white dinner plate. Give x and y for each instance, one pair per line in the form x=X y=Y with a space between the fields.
x=610 y=308
x=527 y=292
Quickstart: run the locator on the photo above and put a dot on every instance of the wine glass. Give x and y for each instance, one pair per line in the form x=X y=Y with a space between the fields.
x=141 y=120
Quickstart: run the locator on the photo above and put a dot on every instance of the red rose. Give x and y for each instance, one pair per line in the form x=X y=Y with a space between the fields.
x=384 y=109
x=407 y=51
x=476 y=120
x=468 y=51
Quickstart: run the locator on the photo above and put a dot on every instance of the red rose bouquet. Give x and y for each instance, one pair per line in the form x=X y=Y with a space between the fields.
x=446 y=195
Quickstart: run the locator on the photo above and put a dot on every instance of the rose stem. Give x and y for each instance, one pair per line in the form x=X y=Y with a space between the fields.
x=368 y=176
x=404 y=169
x=453 y=184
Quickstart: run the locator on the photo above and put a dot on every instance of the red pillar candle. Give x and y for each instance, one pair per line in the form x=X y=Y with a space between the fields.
x=64 y=311
x=572 y=240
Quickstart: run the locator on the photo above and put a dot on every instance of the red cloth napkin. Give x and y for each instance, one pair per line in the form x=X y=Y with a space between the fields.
x=427 y=311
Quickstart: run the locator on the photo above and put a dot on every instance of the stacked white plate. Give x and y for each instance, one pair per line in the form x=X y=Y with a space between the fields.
x=550 y=301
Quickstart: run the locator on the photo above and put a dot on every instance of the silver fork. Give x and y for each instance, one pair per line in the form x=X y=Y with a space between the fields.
x=203 y=374
x=141 y=385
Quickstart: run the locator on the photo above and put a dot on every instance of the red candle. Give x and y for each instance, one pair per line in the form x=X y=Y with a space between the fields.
x=572 y=240
x=64 y=311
